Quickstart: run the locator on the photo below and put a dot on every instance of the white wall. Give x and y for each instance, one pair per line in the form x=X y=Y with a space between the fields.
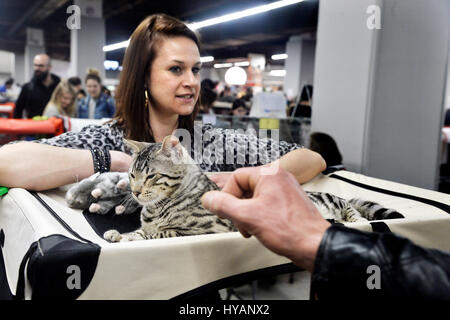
x=341 y=76
x=380 y=93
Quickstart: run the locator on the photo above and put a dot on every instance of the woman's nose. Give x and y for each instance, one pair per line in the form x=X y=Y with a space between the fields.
x=191 y=79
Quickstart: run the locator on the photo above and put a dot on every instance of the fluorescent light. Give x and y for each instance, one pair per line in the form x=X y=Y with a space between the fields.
x=242 y=14
x=280 y=56
x=111 y=64
x=116 y=46
x=206 y=59
x=277 y=73
x=242 y=64
x=223 y=65
x=221 y=19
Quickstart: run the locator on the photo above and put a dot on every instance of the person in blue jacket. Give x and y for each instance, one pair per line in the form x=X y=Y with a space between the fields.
x=96 y=105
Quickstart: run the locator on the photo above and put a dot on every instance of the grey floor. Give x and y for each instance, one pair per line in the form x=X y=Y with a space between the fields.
x=293 y=286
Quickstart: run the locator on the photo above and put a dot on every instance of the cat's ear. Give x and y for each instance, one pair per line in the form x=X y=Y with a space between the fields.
x=134 y=146
x=172 y=146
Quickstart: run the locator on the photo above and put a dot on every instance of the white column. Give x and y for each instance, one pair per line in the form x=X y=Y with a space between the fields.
x=19 y=68
x=86 y=43
x=34 y=45
x=299 y=65
x=380 y=93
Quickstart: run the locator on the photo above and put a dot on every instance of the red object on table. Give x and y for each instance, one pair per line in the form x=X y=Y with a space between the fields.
x=8 y=108
x=27 y=126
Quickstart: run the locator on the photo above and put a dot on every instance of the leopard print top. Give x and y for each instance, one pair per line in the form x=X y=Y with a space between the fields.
x=220 y=149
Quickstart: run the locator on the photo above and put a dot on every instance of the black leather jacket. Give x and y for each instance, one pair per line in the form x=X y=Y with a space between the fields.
x=350 y=262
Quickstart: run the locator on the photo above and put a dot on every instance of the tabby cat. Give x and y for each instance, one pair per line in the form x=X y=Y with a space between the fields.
x=165 y=180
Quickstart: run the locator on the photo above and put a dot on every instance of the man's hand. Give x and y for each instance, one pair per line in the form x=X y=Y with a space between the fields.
x=273 y=208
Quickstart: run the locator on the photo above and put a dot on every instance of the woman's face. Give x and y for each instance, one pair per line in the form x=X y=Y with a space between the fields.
x=66 y=99
x=93 y=88
x=175 y=76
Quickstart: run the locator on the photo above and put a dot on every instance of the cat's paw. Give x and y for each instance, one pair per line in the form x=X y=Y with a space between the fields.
x=112 y=236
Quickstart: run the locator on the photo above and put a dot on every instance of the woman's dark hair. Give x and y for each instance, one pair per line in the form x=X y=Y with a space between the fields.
x=132 y=114
x=238 y=103
x=75 y=81
x=307 y=93
x=325 y=145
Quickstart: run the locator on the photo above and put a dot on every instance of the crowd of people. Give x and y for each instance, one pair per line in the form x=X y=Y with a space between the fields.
x=48 y=95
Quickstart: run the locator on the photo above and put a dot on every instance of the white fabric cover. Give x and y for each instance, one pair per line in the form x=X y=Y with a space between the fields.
x=165 y=268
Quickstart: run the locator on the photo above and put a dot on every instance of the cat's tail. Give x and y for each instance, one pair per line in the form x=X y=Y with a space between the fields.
x=373 y=211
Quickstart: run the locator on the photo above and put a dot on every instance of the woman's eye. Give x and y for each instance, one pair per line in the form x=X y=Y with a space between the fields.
x=175 y=69
x=195 y=70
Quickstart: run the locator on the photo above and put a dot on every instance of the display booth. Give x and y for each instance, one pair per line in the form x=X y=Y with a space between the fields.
x=50 y=251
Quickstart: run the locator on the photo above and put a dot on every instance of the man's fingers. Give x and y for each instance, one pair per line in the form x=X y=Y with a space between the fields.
x=242 y=182
x=223 y=204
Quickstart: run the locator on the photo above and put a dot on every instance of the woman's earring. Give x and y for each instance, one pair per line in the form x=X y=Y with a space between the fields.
x=146 y=98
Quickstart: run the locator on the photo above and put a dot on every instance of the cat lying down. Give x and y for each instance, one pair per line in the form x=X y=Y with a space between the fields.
x=168 y=184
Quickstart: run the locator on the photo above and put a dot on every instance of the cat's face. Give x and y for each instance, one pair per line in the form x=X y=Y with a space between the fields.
x=157 y=169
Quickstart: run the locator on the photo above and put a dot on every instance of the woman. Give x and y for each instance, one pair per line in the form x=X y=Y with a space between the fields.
x=62 y=102
x=158 y=93
x=97 y=104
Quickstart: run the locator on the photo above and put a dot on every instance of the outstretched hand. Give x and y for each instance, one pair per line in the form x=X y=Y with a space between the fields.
x=275 y=209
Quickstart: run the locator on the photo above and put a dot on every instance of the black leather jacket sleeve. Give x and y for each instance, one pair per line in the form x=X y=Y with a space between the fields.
x=355 y=264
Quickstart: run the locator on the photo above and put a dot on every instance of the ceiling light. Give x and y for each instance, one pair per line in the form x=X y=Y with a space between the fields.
x=277 y=73
x=221 y=19
x=222 y=65
x=236 y=76
x=242 y=64
x=280 y=56
x=242 y=14
x=206 y=59
x=116 y=46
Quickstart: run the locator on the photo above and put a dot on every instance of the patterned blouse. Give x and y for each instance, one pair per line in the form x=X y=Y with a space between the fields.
x=214 y=149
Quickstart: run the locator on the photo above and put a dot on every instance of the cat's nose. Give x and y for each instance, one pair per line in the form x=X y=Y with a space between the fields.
x=136 y=193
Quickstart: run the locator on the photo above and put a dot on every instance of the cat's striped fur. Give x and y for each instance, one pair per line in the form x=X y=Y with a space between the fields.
x=169 y=185
x=353 y=210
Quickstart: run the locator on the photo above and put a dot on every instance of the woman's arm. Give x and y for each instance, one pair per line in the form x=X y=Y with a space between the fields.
x=40 y=167
x=303 y=163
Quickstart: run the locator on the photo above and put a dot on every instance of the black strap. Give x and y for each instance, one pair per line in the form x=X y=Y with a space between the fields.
x=436 y=204
x=20 y=290
x=380 y=226
x=58 y=218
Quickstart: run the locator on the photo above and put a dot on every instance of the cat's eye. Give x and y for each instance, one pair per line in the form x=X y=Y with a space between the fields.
x=132 y=175
x=151 y=176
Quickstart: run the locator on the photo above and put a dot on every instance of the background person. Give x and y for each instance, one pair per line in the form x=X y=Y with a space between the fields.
x=97 y=104
x=276 y=210
x=62 y=102
x=4 y=90
x=35 y=94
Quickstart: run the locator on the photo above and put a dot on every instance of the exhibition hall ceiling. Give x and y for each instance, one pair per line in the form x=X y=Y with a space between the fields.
x=263 y=33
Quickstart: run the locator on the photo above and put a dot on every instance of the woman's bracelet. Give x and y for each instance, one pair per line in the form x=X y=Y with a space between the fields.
x=102 y=159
